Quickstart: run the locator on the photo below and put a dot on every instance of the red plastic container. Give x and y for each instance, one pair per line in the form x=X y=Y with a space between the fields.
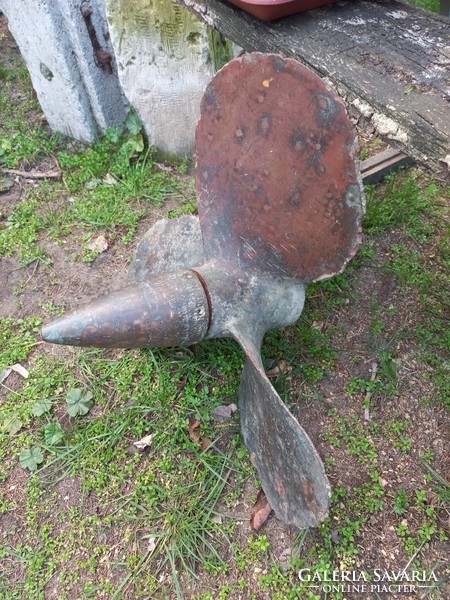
x=268 y=10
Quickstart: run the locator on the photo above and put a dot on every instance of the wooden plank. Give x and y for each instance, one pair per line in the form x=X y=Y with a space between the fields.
x=390 y=60
x=376 y=167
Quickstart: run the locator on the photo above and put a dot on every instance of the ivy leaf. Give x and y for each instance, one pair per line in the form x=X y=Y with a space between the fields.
x=42 y=406
x=53 y=433
x=79 y=402
x=31 y=458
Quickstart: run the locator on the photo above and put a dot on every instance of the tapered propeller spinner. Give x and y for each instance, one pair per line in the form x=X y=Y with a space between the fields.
x=280 y=206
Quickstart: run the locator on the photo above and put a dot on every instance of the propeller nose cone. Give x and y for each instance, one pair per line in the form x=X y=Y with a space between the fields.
x=53 y=332
x=170 y=310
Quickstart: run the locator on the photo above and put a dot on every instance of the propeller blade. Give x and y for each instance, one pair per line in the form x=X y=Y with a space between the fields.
x=276 y=177
x=280 y=205
x=169 y=245
x=290 y=469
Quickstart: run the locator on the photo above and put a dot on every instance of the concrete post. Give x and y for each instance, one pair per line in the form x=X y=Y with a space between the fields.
x=165 y=60
x=79 y=94
x=163 y=56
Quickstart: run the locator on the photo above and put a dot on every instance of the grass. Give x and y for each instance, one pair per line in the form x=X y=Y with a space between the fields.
x=87 y=514
x=19 y=140
x=431 y=5
x=104 y=190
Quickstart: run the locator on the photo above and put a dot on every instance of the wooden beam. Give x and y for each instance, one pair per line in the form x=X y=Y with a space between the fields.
x=376 y=167
x=388 y=59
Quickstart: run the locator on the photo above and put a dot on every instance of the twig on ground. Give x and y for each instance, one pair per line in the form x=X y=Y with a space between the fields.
x=33 y=174
x=413 y=557
x=369 y=393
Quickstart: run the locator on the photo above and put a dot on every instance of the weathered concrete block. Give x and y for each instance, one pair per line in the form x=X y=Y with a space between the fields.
x=165 y=60
x=79 y=96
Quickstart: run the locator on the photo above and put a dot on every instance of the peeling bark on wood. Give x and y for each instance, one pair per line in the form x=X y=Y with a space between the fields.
x=390 y=60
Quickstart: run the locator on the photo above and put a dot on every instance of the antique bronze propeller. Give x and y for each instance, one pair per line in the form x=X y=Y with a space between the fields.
x=280 y=206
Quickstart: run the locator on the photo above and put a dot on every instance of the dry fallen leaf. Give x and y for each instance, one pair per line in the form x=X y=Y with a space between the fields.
x=99 y=244
x=164 y=168
x=282 y=367
x=4 y=374
x=145 y=442
x=195 y=435
x=21 y=370
x=260 y=511
x=194 y=431
x=206 y=443
x=6 y=184
x=17 y=368
x=151 y=544
x=223 y=413
x=109 y=179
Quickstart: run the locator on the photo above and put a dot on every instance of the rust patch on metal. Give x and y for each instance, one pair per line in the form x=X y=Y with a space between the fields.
x=170 y=310
x=264 y=125
x=296 y=130
x=102 y=57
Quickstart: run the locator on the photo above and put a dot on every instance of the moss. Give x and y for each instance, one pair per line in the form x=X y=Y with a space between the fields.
x=138 y=17
x=221 y=48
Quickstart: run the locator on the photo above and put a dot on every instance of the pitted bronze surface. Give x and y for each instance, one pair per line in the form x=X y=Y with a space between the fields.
x=276 y=177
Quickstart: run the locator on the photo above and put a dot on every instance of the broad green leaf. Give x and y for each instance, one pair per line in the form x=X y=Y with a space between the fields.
x=42 y=406
x=74 y=395
x=133 y=123
x=12 y=425
x=113 y=134
x=134 y=145
x=79 y=402
x=53 y=433
x=139 y=144
x=31 y=458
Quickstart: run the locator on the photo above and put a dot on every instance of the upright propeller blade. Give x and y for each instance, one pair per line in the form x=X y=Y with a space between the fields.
x=276 y=177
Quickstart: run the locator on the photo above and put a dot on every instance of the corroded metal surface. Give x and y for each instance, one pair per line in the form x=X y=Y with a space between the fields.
x=170 y=245
x=280 y=205
x=276 y=177
x=289 y=466
x=169 y=310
